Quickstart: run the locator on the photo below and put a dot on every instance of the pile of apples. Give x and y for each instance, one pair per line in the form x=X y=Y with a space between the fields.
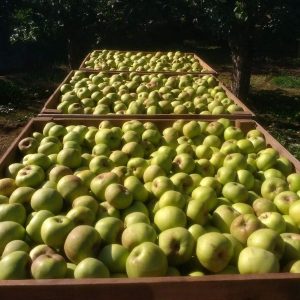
x=112 y=60
x=149 y=94
x=143 y=199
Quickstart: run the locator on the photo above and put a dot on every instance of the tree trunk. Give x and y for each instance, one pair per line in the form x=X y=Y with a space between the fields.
x=73 y=59
x=240 y=42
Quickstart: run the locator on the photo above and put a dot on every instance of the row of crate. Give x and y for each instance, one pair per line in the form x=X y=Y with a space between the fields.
x=259 y=286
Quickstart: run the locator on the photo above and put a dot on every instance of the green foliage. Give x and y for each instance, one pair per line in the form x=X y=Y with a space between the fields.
x=286 y=81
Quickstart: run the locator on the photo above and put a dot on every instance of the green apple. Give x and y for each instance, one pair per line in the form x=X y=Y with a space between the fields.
x=236 y=246
x=109 y=229
x=30 y=175
x=243 y=225
x=136 y=217
x=138 y=165
x=71 y=187
x=294 y=212
x=9 y=231
x=235 y=192
x=226 y=174
x=86 y=201
x=271 y=187
x=22 y=195
x=265 y=161
x=101 y=182
x=69 y=157
x=292 y=246
x=81 y=215
x=82 y=242
x=284 y=200
x=12 y=170
x=267 y=239
x=14 y=266
x=214 y=251
x=294 y=182
x=13 y=212
x=15 y=245
x=254 y=260
x=49 y=266
x=205 y=194
x=223 y=216
x=183 y=162
x=160 y=185
x=55 y=229
x=151 y=172
x=135 y=186
x=57 y=172
x=262 y=205
x=37 y=159
x=177 y=244
x=273 y=220
x=28 y=145
x=183 y=182
x=136 y=234
x=236 y=161
x=146 y=260
x=40 y=249
x=47 y=199
x=118 y=196
x=172 y=198
x=114 y=256
x=91 y=268
x=169 y=217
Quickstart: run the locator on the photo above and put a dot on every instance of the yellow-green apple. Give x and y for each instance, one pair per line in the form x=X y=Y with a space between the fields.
x=212 y=141
x=262 y=205
x=267 y=239
x=136 y=234
x=71 y=187
x=273 y=220
x=254 y=260
x=152 y=135
x=81 y=215
x=243 y=225
x=100 y=183
x=30 y=175
x=236 y=246
x=151 y=172
x=183 y=182
x=10 y=231
x=82 y=242
x=38 y=159
x=294 y=182
x=12 y=170
x=22 y=195
x=118 y=196
x=13 y=212
x=191 y=129
x=160 y=185
x=91 y=268
x=233 y=133
x=109 y=137
x=226 y=174
x=106 y=210
x=243 y=208
x=138 y=165
x=214 y=251
x=69 y=157
x=86 y=201
x=177 y=244
x=183 y=162
x=284 y=166
x=291 y=226
x=28 y=145
x=294 y=212
x=109 y=229
x=216 y=160
x=169 y=217
x=136 y=187
x=223 y=216
x=146 y=260
x=245 y=178
x=49 y=266
x=114 y=256
x=55 y=229
x=100 y=164
x=14 y=266
x=40 y=249
x=172 y=198
x=236 y=161
x=235 y=192
x=203 y=151
x=292 y=246
x=15 y=245
x=133 y=149
x=47 y=199
x=205 y=194
x=284 y=200
x=57 y=172
x=119 y=158
x=136 y=217
x=245 y=146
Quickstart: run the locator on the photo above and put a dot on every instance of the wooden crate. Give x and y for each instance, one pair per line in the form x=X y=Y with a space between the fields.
x=50 y=106
x=207 y=68
x=277 y=286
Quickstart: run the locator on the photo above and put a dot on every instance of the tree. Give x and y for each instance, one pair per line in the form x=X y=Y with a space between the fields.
x=240 y=22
